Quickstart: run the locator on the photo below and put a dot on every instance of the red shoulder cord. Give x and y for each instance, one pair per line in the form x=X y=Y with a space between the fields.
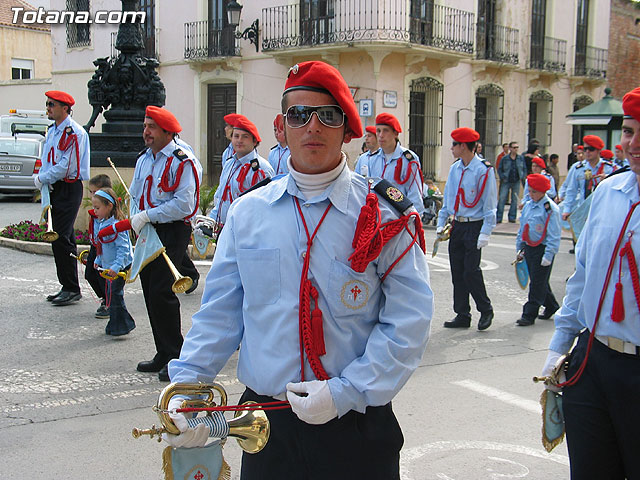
x=370 y=236
x=92 y=216
x=525 y=233
x=397 y=173
x=64 y=143
x=310 y=322
x=574 y=379
x=242 y=175
x=460 y=194
x=164 y=181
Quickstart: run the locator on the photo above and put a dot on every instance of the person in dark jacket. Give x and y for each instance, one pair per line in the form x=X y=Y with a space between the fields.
x=512 y=172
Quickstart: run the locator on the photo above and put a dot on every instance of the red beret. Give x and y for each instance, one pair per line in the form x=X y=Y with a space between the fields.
x=231 y=118
x=594 y=141
x=60 y=96
x=321 y=77
x=580 y=147
x=619 y=147
x=539 y=161
x=275 y=120
x=631 y=103
x=606 y=154
x=371 y=129
x=389 y=120
x=539 y=182
x=243 y=123
x=163 y=118
x=465 y=135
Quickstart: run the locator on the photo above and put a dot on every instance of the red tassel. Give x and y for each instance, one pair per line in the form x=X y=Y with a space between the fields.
x=318 y=332
x=617 y=312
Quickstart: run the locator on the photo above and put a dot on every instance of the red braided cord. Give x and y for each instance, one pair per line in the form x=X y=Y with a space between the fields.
x=416 y=237
x=461 y=197
x=367 y=240
x=164 y=181
x=633 y=269
x=242 y=175
x=64 y=143
x=525 y=233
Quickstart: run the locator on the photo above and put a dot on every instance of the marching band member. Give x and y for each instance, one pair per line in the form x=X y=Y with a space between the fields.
x=90 y=274
x=280 y=152
x=538 y=241
x=229 y=122
x=620 y=160
x=164 y=192
x=337 y=342
x=470 y=198
x=538 y=167
x=65 y=164
x=393 y=162
x=601 y=309
x=371 y=142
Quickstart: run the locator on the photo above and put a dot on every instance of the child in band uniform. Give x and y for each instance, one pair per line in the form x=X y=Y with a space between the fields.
x=91 y=274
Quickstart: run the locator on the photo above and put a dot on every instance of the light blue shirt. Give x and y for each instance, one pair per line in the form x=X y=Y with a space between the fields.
x=229 y=183
x=576 y=182
x=535 y=215
x=185 y=146
x=66 y=162
x=362 y=165
x=278 y=159
x=610 y=205
x=115 y=254
x=375 y=334
x=485 y=209
x=377 y=166
x=166 y=206
x=551 y=193
x=227 y=154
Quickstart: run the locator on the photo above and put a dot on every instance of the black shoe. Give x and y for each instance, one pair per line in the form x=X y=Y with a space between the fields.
x=193 y=286
x=66 y=298
x=572 y=251
x=524 y=322
x=163 y=375
x=547 y=314
x=154 y=365
x=52 y=297
x=512 y=221
x=103 y=311
x=458 y=322
x=485 y=320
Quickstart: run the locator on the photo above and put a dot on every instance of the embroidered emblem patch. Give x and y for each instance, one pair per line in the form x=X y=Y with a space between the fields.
x=539 y=227
x=199 y=472
x=394 y=194
x=354 y=294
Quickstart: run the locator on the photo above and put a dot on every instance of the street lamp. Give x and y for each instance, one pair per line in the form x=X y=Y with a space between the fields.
x=233 y=16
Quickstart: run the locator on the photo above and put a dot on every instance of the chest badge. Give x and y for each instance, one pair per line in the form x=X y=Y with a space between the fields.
x=354 y=294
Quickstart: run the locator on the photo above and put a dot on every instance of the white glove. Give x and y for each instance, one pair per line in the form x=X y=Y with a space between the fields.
x=179 y=420
x=545 y=262
x=364 y=170
x=549 y=365
x=192 y=438
x=36 y=181
x=483 y=240
x=139 y=220
x=317 y=407
x=520 y=255
x=439 y=230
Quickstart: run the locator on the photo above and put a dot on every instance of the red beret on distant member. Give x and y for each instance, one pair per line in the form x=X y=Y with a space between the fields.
x=465 y=135
x=618 y=147
x=371 y=129
x=389 y=120
x=606 y=154
x=539 y=161
x=163 y=118
x=580 y=147
x=62 y=97
x=321 y=77
x=243 y=123
x=538 y=182
x=231 y=118
x=631 y=104
x=593 y=141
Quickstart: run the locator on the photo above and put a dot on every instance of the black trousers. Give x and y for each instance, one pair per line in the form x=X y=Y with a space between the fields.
x=187 y=268
x=352 y=447
x=65 y=203
x=539 y=289
x=464 y=259
x=163 y=306
x=92 y=276
x=602 y=418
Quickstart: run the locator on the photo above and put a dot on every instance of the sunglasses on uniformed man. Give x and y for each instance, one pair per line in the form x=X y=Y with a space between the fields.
x=590 y=149
x=50 y=104
x=298 y=116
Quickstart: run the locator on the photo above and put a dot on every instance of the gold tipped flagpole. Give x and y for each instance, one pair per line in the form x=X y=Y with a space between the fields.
x=119 y=177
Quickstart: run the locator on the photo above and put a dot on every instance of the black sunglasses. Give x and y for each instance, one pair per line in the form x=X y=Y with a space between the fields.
x=50 y=104
x=590 y=149
x=298 y=116
x=455 y=143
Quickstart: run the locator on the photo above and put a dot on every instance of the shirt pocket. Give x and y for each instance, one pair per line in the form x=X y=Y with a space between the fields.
x=260 y=274
x=350 y=292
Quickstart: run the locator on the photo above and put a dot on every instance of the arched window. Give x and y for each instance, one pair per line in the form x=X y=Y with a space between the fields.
x=425 y=121
x=540 y=118
x=578 y=104
x=488 y=119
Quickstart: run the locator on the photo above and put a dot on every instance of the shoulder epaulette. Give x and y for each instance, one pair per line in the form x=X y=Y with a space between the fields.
x=141 y=152
x=274 y=147
x=607 y=162
x=255 y=165
x=261 y=183
x=579 y=165
x=407 y=154
x=624 y=169
x=52 y=125
x=487 y=163
x=68 y=130
x=370 y=153
x=547 y=206
x=179 y=154
x=391 y=194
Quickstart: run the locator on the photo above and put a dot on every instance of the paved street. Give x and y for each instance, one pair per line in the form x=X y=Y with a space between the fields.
x=70 y=395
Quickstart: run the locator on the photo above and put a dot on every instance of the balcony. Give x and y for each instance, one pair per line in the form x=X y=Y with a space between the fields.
x=209 y=39
x=345 y=22
x=548 y=54
x=591 y=62
x=497 y=43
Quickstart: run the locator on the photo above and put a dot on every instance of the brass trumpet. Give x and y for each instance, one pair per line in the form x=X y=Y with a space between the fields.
x=181 y=283
x=82 y=258
x=49 y=235
x=443 y=237
x=250 y=427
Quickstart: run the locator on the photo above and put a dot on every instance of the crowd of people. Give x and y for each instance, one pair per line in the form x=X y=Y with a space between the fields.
x=316 y=263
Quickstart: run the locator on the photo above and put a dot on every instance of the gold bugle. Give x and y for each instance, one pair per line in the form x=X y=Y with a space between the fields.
x=49 y=235
x=181 y=283
x=82 y=258
x=541 y=379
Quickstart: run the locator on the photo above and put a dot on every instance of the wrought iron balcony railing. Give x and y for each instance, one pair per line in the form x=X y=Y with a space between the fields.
x=591 y=62
x=548 y=54
x=209 y=39
x=497 y=43
x=348 y=21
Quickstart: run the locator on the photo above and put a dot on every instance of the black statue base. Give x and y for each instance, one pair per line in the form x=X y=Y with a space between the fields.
x=123 y=148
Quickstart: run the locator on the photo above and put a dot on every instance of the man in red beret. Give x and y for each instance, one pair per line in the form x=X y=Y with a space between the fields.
x=393 y=162
x=620 y=159
x=297 y=280
x=229 y=121
x=164 y=192
x=372 y=147
x=65 y=164
x=601 y=311
x=280 y=151
x=470 y=205
x=538 y=242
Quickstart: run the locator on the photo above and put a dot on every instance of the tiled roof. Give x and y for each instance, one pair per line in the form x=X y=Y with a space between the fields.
x=6 y=16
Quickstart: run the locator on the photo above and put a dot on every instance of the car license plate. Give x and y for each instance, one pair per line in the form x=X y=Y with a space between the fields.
x=10 y=167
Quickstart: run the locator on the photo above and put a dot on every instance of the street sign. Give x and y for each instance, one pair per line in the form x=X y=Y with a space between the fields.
x=366 y=107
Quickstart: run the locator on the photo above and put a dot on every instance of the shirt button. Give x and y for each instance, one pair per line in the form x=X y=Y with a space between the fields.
x=304 y=254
